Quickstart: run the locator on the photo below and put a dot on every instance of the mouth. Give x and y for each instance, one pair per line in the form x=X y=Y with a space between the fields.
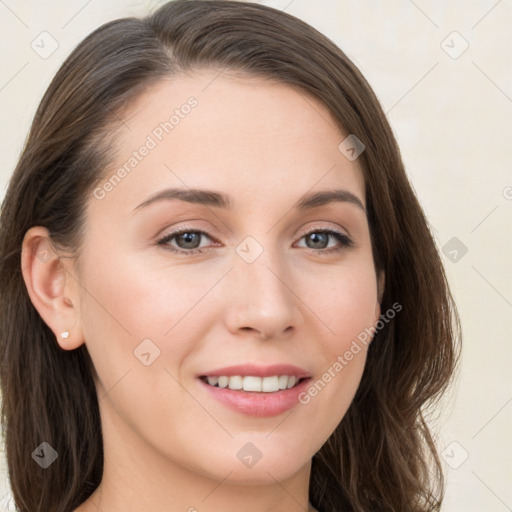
x=254 y=384
x=255 y=390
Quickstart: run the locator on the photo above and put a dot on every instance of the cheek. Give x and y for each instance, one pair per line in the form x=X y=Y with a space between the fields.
x=130 y=300
x=347 y=310
x=352 y=315
x=345 y=302
x=124 y=303
x=139 y=298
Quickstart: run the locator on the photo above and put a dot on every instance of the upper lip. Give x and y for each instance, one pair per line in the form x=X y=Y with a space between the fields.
x=259 y=371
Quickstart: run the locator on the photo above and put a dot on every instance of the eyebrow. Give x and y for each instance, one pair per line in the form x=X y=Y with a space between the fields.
x=220 y=200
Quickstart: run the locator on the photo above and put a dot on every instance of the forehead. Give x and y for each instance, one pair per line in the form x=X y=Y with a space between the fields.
x=246 y=135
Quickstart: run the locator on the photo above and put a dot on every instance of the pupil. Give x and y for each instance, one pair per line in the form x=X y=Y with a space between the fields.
x=318 y=238
x=188 y=237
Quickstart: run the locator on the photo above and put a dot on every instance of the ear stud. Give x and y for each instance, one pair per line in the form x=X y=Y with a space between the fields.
x=64 y=334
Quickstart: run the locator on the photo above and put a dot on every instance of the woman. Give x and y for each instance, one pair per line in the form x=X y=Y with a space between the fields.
x=218 y=289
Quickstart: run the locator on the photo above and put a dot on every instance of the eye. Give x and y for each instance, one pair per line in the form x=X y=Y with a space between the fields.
x=319 y=239
x=187 y=240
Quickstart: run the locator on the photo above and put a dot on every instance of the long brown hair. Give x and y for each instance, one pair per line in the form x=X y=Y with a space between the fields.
x=382 y=455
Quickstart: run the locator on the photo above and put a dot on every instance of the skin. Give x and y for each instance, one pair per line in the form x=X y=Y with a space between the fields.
x=168 y=445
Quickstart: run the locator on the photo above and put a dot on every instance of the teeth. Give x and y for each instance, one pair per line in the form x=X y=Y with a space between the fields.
x=251 y=383
x=235 y=382
x=283 y=381
x=270 y=384
x=291 y=382
x=213 y=380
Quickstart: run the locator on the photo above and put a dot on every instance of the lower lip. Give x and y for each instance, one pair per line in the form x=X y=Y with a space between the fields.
x=254 y=403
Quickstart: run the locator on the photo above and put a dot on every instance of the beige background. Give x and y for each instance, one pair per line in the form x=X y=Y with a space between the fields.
x=451 y=111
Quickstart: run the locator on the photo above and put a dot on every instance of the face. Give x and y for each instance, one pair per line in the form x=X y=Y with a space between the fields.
x=178 y=287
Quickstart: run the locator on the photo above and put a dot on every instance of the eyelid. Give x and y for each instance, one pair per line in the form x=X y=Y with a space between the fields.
x=184 y=228
x=317 y=227
x=310 y=229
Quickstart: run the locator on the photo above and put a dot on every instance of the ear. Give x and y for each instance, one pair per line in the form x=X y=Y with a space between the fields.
x=51 y=288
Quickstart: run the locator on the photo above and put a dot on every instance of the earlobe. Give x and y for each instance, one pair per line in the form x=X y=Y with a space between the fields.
x=50 y=289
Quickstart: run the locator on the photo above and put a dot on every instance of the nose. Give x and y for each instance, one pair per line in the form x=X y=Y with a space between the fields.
x=262 y=296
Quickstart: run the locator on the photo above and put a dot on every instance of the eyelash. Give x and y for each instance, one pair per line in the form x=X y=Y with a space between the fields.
x=344 y=240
